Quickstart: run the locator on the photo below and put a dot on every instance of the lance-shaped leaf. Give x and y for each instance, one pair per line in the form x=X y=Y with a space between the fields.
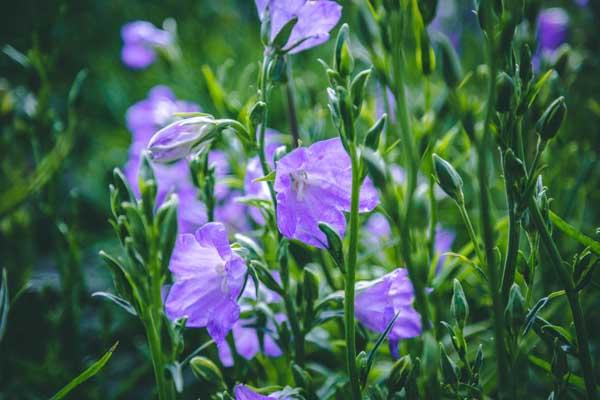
x=334 y=245
x=4 y=304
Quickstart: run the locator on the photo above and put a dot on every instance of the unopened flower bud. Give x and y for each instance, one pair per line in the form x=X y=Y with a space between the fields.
x=459 y=307
x=205 y=370
x=373 y=135
x=400 y=374
x=525 y=65
x=181 y=138
x=505 y=88
x=451 y=69
x=551 y=120
x=515 y=309
x=513 y=166
x=427 y=9
x=343 y=60
x=448 y=179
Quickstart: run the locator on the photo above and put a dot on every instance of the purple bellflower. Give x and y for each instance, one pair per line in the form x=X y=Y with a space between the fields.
x=313 y=185
x=315 y=19
x=208 y=279
x=140 y=41
x=443 y=244
x=243 y=392
x=378 y=302
x=552 y=26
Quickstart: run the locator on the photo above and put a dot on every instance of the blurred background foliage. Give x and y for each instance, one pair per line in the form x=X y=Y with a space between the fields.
x=49 y=239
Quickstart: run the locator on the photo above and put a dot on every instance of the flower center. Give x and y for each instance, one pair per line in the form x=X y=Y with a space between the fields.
x=299 y=182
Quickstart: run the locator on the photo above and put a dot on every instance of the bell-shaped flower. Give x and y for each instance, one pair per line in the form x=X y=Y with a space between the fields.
x=243 y=392
x=140 y=41
x=316 y=18
x=552 y=29
x=377 y=302
x=180 y=138
x=314 y=185
x=208 y=278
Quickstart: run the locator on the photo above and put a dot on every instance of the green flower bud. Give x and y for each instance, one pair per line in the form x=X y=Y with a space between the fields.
x=515 y=309
x=373 y=135
x=451 y=68
x=310 y=286
x=551 y=120
x=343 y=60
x=399 y=374
x=205 y=370
x=505 y=88
x=459 y=307
x=427 y=9
x=449 y=368
x=257 y=114
x=525 y=66
x=426 y=55
x=361 y=365
x=447 y=178
x=357 y=90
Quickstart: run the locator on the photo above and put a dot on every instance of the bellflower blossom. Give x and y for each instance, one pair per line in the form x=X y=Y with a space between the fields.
x=314 y=185
x=245 y=335
x=140 y=41
x=377 y=302
x=552 y=26
x=243 y=392
x=260 y=190
x=208 y=279
x=443 y=244
x=143 y=119
x=315 y=19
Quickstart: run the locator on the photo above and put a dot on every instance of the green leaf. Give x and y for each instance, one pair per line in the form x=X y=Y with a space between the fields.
x=85 y=375
x=4 y=304
x=121 y=302
x=572 y=379
x=380 y=339
x=269 y=178
x=573 y=233
x=334 y=245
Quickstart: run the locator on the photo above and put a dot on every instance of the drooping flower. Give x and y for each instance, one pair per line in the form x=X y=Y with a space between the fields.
x=377 y=302
x=243 y=392
x=143 y=119
x=315 y=19
x=180 y=138
x=246 y=335
x=140 y=41
x=208 y=278
x=314 y=185
x=552 y=26
x=260 y=190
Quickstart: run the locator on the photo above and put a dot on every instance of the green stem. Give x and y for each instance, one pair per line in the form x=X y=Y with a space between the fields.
x=165 y=390
x=572 y=296
x=512 y=249
x=291 y=104
x=471 y=232
x=285 y=276
x=411 y=169
x=487 y=224
x=349 y=323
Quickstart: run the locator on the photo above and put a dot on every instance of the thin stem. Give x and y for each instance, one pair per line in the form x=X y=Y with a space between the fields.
x=572 y=296
x=487 y=224
x=291 y=104
x=285 y=275
x=512 y=249
x=165 y=390
x=349 y=323
x=471 y=232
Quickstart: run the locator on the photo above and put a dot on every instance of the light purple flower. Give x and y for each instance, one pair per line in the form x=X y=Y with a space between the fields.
x=314 y=185
x=378 y=301
x=315 y=19
x=552 y=25
x=443 y=244
x=180 y=138
x=243 y=392
x=140 y=41
x=208 y=279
